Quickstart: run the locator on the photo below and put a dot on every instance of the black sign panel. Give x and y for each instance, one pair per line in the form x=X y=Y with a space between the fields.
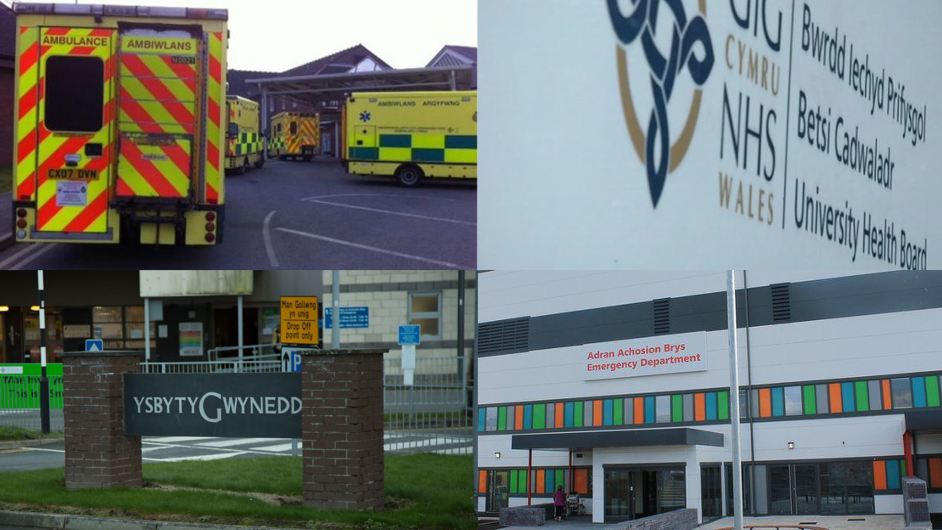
x=226 y=405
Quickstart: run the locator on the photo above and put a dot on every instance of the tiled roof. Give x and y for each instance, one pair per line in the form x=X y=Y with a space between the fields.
x=330 y=64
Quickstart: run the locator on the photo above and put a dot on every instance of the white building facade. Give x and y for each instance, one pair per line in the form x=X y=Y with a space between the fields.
x=615 y=385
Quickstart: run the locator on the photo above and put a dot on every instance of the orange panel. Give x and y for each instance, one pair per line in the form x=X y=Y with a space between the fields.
x=482 y=481
x=559 y=417
x=699 y=407
x=887 y=397
x=540 y=481
x=765 y=402
x=935 y=472
x=835 y=390
x=879 y=475
x=597 y=412
x=518 y=418
x=639 y=411
x=582 y=481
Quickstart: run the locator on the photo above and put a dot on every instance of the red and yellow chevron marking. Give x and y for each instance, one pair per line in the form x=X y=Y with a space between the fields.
x=157 y=96
x=26 y=137
x=53 y=147
x=147 y=169
x=214 y=131
x=307 y=130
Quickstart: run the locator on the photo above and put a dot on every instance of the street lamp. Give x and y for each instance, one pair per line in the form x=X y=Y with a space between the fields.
x=43 y=381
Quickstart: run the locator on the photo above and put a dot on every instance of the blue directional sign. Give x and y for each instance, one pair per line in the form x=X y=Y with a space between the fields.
x=409 y=335
x=94 y=345
x=350 y=317
x=291 y=359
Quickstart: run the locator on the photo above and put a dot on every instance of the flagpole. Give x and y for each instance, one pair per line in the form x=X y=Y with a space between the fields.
x=734 y=398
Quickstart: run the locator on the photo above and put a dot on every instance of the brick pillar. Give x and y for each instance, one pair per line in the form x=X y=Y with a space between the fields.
x=97 y=453
x=342 y=429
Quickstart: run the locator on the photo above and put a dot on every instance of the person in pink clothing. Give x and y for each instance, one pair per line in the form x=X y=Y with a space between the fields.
x=559 y=502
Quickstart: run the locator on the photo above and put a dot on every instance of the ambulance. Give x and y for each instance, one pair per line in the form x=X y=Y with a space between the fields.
x=244 y=140
x=294 y=135
x=119 y=125
x=411 y=136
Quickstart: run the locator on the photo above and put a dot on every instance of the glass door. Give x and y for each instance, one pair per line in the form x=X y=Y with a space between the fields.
x=780 y=490
x=618 y=500
x=498 y=491
x=710 y=497
x=806 y=488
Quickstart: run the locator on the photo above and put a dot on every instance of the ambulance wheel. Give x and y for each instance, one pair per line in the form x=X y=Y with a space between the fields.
x=242 y=169
x=308 y=158
x=409 y=176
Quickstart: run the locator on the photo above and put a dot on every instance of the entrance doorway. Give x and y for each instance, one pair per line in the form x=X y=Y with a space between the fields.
x=710 y=492
x=636 y=493
x=498 y=490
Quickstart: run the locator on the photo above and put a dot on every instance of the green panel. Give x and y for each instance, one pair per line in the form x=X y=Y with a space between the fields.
x=395 y=140
x=364 y=153
x=502 y=419
x=22 y=391
x=811 y=406
x=932 y=390
x=722 y=405
x=539 y=416
x=522 y=477
x=863 y=399
x=577 y=414
x=35 y=368
x=513 y=481
x=677 y=408
x=428 y=155
x=618 y=407
x=461 y=142
x=559 y=479
x=902 y=466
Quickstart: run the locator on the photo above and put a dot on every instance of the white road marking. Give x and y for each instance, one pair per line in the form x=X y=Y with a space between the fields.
x=175 y=439
x=404 y=196
x=266 y=236
x=390 y=212
x=40 y=252
x=4 y=238
x=229 y=442
x=428 y=442
x=44 y=449
x=26 y=249
x=374 y=249
x=201 y=457
x=221 y=449
x=275 y=448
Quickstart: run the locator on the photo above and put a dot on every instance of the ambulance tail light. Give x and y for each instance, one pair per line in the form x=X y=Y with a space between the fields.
x=21 y=213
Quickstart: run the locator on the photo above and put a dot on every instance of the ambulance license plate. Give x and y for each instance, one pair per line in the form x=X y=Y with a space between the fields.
x=71 y=173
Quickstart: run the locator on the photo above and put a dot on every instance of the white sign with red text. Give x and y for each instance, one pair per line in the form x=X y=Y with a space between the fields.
x=666 y=354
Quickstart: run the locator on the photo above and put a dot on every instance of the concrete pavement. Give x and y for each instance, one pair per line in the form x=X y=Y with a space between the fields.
x=296 y=215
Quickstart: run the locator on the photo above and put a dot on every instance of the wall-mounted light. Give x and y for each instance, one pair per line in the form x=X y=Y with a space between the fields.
x=791 y=445
x=34 y=308
x=496 y=454
x=4 y=308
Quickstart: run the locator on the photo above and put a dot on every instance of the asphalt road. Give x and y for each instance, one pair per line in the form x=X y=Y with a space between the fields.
x=296 y=215
x=183 y=448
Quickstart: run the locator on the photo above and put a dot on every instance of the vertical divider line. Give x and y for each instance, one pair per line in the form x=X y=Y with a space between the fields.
x=788 y=111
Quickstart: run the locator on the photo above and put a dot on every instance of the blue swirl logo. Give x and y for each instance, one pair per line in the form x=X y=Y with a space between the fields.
x=653 y=147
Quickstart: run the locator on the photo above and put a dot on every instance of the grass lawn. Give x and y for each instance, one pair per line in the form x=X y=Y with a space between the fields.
x=19 y=433
x=6 y=179
x=424 y=491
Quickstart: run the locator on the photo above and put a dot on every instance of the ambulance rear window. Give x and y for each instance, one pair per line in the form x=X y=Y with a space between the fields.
x=294 y=127
x=74 y=93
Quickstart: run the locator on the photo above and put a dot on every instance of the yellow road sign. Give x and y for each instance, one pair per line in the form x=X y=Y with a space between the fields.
x=299 y=320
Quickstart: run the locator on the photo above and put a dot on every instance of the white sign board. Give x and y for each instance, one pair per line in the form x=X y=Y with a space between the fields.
x=195 y=283
x=9 y=370
x=666 y=354
x=789 y=134
x=191 y=339
x=71 y=193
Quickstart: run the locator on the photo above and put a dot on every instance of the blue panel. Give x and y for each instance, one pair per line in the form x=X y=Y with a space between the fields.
x=919 y=391
x=711 y=406
x=482 y=418
x=607 y=412
x=649 y=409
x=551 y=478
x=778 y=401
x=568 y=417
x=892 y=474
x=528 y=417
x=847 y=396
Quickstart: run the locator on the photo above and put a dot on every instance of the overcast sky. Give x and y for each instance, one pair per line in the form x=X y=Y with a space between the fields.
x=275 y=35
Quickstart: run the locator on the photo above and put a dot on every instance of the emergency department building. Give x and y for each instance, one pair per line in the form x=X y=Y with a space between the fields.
x=615 y=385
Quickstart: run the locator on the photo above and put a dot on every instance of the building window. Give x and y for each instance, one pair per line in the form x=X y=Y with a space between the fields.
x=793 y=401
x=663 y=408
x=902 y=393
x=122 y=328
x=425 y=309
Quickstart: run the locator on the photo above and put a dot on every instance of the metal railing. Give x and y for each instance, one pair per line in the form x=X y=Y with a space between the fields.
x=778 y=527
x=234 y=366
x=431 y=415
x=19 y=402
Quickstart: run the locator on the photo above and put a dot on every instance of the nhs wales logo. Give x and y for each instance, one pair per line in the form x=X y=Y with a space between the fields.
x=683 y=48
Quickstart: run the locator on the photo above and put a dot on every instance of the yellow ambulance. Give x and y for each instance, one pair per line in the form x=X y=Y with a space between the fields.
x=411 y=135
x=119 y=125
x=294 y=135
x=244 y=140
